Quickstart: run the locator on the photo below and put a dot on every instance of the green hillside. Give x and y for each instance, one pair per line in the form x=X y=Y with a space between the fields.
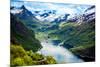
x=24 y=46
x=21 y=57
x=20 y=34
x=78 y=38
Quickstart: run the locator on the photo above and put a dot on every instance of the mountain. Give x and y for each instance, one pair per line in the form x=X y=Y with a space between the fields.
x=24 y=45
x=73 y=19
x=50 y=16
x=23 y=36
x=24 y=15
x=78 y=38
x=62 y=18
x=23 y=12
x=92 y=7
x=45 y=15
x=87 y=16
x=76 y=33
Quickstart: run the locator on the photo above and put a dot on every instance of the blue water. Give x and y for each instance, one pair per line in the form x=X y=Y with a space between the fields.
x=60 y=54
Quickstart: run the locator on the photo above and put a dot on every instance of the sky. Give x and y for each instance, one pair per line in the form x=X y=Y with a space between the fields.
x=65 y=1
x=61 y=8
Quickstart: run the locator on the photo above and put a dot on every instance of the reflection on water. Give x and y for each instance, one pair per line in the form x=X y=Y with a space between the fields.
x=61 y=54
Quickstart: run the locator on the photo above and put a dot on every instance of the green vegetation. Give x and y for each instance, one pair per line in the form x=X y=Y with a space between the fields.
x=24 y=46
x=64 y=24
x=79 y=38
x=20 y=34
x=40 y=35
x=76 y=34
x=21 y=57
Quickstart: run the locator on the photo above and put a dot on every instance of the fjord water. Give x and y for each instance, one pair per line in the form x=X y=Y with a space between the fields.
x=60 y=54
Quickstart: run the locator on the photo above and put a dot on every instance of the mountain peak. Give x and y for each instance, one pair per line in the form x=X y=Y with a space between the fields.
x=92 y=7
x=23 y=7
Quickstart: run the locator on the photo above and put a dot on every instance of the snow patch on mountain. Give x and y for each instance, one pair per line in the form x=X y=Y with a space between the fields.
x=16 y=11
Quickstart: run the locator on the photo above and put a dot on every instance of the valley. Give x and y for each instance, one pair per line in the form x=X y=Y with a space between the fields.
x=51 y=36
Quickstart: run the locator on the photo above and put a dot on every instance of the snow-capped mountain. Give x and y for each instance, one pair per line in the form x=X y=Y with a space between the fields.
x=26 y=16
x=61 y=18
x=15 y=10
x=52 y=16
x=43 y=16
x=87 y=16
x=46 y=15
x=23 y=13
